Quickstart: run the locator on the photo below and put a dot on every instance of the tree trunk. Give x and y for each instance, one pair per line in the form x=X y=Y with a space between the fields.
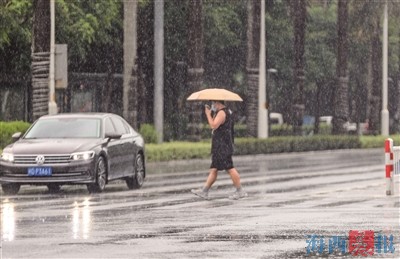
x=396 y=115
x=317 y=107
x=252 y=64
x=376 y=93
x=300 y=11
x=129 y=73
x=341 y=99
x=195 y=70
x=40 y=58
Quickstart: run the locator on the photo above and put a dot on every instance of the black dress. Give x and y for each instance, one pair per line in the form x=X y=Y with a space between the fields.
x=222 y=143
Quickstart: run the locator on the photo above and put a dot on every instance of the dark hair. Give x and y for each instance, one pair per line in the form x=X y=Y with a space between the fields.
x=220 y=101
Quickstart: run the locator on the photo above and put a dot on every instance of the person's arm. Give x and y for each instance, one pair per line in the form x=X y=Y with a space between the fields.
x=217 y=121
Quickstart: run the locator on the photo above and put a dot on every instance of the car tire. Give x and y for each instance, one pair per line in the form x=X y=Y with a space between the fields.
x=101 y=177
x=10 y=188
x=53 y=188
x=136 y=181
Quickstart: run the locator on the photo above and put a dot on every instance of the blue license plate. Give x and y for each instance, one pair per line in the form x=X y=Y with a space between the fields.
x=40 y=171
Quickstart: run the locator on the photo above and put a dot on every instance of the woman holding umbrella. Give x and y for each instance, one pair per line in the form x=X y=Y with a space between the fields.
x=221 y=149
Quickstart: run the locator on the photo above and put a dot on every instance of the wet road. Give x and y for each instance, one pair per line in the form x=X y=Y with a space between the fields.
x=291 y=197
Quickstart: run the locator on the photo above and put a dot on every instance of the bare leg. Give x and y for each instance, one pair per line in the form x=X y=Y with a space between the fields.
x=235 y=177
x=212 y=177
x=239 y=193
x=203 y=192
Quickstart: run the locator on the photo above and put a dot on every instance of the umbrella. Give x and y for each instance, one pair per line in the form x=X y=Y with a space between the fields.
x=214 y=94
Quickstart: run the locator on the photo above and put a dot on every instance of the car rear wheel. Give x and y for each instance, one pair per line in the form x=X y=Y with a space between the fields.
x=10 y=188
x=101 y=177
x=137 y=180
x=54 y=188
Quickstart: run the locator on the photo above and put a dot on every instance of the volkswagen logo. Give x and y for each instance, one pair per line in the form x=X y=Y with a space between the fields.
x=40 y=160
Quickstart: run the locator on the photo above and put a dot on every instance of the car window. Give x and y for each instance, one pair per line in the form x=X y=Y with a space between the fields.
x=65 y=128
x=109 y=127
x=120 y=126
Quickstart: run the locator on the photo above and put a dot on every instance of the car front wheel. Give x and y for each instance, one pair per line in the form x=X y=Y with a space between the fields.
x=10 y=188
x=101 y=177
x=137 y=180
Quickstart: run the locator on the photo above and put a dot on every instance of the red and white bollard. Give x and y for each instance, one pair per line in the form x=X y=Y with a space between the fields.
x=389 y=166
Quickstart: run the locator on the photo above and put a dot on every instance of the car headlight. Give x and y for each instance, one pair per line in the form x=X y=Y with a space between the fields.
x=8 y=157
x=82 y=155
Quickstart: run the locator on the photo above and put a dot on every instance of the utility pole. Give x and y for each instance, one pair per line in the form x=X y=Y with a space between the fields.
x=385 y=111
x=159 y=68
x=262 y=131
x=52 y=91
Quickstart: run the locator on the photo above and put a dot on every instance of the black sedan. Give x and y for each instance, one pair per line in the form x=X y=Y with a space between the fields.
x=82 y=148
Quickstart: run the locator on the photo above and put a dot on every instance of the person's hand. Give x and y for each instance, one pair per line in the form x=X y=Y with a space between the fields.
x=207 y=110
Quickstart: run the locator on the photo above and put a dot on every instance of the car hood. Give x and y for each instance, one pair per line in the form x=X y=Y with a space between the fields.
x=52 y=146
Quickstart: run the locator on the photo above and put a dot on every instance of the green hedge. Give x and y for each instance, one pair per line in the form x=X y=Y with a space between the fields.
x=149 y=133
x=275 y=130
x=177 y=150
x=247 y=146
x=378 y=141
x=7 y=129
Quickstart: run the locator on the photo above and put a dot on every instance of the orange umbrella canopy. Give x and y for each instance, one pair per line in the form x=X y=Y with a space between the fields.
x=214 y=94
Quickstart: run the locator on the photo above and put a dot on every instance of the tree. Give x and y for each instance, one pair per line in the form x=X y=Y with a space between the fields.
x=280 y=51
x=367 y=32
x=225 y=41
x=396 y=95
x=195 y=58
x=299 y=12
x=15 y=37
x=341 y=103
x=93 y=31
x=175 y=87
x=320 y=63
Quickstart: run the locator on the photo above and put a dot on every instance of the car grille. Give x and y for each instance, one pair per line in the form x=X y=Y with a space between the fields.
x=48 y=159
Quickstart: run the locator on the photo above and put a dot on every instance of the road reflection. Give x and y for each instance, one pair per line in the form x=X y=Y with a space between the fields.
x=7 y=220
x=81 y=219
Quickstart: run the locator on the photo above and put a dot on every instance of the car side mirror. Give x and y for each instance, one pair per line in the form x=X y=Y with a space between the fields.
x=113 y=135
x=16 y=136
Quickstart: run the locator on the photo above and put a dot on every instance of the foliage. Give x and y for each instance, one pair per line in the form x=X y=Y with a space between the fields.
x=15 y=35
x=149 y=133
x=225 y=38
x=177 y=150
x=321 y=47
x=378 y=141
x=279 y=28
x=86 y=26
x=7 y=129
x=14 y=14
x=92 y=29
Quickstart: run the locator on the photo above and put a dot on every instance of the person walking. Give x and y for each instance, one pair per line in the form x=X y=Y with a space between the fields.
x=221 y=150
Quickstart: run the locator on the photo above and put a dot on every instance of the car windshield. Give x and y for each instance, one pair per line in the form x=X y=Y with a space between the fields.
x=65 y=128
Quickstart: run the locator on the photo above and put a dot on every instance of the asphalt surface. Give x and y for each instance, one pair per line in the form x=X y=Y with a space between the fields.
x=294 y=200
